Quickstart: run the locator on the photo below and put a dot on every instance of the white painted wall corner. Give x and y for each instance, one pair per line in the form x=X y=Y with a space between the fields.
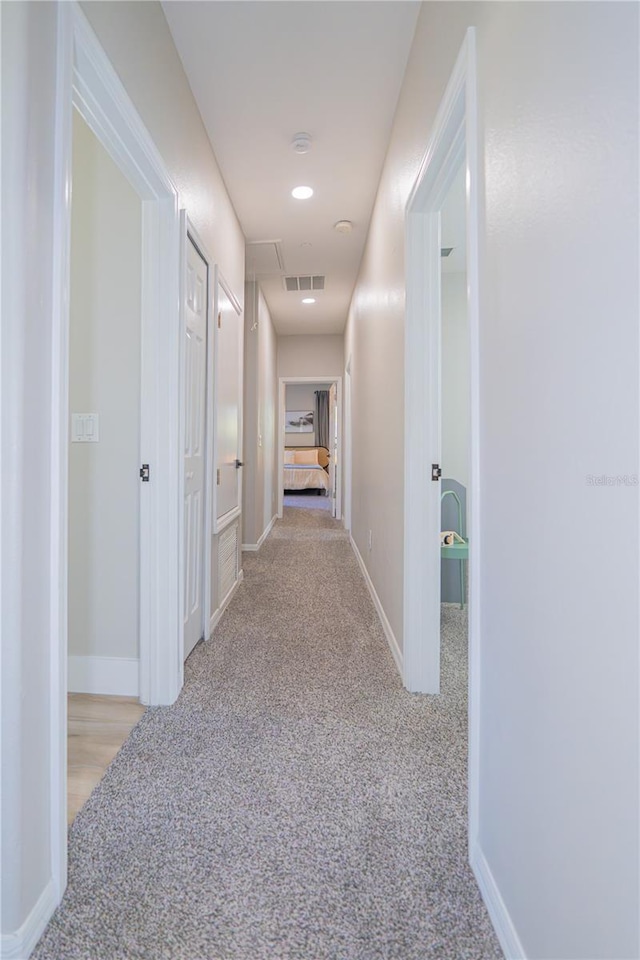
x=108 y=676
x=253 y=547
x=215 y=619
x=496 y=907
x=386 y=626
x=20 y=944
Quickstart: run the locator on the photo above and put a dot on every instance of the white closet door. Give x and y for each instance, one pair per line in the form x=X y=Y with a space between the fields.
x=229 y=389
x=333 y=430
x=194 y=450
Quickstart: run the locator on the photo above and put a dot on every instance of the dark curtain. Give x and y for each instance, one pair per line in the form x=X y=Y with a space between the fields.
x=322 y=419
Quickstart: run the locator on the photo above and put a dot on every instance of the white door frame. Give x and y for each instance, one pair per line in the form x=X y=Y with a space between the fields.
x=282 y=384
x=188 y=232
x=218 y=524
x=347 y=455
x=86 y=81
x=454 y=138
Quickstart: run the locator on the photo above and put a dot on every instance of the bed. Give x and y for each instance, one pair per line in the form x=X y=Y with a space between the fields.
x=306 y=468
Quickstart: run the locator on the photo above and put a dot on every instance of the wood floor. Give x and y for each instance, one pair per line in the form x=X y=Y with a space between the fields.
x=97 y=728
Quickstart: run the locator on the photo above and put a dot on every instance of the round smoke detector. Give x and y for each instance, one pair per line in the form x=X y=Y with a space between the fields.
x=301 y=143
x=343 y=226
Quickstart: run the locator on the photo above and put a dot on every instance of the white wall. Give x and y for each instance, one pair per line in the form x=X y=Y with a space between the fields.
x=260 y=409
x=455 y=378
x=310 y=356
x=104 y=378
x=558 y=117
x=28 y=33
x=137 y=40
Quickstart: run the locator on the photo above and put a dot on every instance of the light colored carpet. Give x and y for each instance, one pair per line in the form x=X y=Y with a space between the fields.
x=295 y=803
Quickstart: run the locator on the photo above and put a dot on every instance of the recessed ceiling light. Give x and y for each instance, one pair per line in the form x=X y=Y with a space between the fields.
x=309 y=300
x=302 y=193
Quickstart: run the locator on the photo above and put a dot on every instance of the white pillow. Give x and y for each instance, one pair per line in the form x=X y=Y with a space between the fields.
x=307 y=456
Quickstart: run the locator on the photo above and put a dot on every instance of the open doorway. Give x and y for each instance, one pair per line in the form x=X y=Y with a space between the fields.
x=105 y=347
x=310 y=422
x=455 y=431
x=451 y=158
x=88 y=83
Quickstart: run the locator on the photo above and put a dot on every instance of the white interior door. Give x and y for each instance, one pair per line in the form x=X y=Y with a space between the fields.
x=333 y=464
x=228 y=392
x=197 y=298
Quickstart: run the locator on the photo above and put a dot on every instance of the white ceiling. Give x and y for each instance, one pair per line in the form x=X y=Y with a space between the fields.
x=263 y=71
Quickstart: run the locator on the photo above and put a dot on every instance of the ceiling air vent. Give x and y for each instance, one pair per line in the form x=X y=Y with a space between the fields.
x=294 y=284
x=446 y=251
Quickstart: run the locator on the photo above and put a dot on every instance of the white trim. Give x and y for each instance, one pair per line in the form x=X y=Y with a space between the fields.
x=225 y=603
x=103 y=102
x=347 y=471
x=21 y=943
x=85 y=79
x=441 y=162
x=108 y=676
x=282 y=383
x=473 y=509
x=189 y=233
x=454 y=135
x=219 y=523
x=396 y=653
x=253 y=547
x=59 y=562
x=496 y=907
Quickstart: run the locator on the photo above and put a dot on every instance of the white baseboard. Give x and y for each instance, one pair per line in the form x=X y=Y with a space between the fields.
x=20 y=944
x=109 y=676
x=496 y=907
x=223 y=606
x=253 y=547
x=386 y=626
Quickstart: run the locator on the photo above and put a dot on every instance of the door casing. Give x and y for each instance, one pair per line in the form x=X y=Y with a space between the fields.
x=454 y=139
x=190 y=234
x=223 y=290
x=86 y=81
x=282 y=384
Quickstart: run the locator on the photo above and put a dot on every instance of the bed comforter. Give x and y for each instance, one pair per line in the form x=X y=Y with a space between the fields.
x=298 y=476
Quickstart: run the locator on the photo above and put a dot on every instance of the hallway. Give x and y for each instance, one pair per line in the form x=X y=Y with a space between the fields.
x=295 y=802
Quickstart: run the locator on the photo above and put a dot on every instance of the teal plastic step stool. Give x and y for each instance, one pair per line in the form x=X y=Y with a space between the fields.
x=457 y=551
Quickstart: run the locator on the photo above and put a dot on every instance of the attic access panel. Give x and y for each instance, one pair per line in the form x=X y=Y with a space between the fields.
x=264 y=258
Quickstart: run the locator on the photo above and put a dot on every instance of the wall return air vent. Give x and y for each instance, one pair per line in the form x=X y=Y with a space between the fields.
x=294 y=284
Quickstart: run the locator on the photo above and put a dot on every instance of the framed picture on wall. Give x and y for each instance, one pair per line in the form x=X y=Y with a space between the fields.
x=298 y=421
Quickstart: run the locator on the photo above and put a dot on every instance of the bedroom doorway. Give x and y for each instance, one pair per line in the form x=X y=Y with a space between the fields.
x=455 y=430
x=88 y=84
x=105 y=360
x=310 y=443
x=453 y=145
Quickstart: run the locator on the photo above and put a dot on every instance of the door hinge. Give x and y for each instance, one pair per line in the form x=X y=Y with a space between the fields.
x=144 y=473
x=218 y=478
x=436 y=472
x=220 y=320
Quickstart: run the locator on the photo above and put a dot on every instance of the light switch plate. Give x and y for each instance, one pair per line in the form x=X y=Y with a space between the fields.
x=85 y=428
